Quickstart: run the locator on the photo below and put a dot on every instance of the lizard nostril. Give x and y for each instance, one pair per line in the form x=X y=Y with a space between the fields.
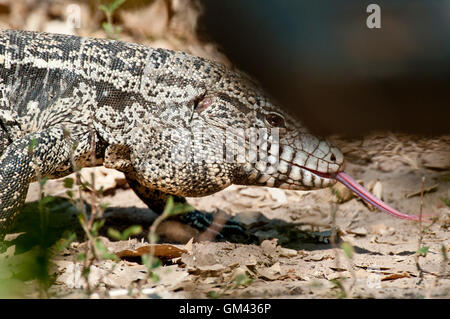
x=333 y=157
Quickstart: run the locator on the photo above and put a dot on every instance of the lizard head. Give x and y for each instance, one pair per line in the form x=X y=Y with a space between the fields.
x=273 y=150
x=264 y=145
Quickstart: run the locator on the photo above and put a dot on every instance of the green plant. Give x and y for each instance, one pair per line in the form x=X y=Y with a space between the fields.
x=127 y=233
x=422 y=251
x=446 y=201
x=341 y=291
x=171 y=209
x=111 y=30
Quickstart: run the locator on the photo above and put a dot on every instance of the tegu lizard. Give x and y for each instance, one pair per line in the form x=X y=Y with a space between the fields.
x=174 y=123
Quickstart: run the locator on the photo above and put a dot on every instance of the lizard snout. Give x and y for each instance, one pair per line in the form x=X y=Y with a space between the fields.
x=300 y=164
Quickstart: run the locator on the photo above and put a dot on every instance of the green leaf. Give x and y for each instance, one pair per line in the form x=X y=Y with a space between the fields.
x=155 y=278
x=181 y=208
x=107 y=27
x=422 y=251
x=156 y=263
x=81 y=219
x=153 y=238
x=115 y=234
x=117 y=29
x=115 y=4
x=96 y=226
x=446 y=201
x=242 y=279
x=145 y=260
x=104 y=8
x=169 y=206
x=85 y=272
x=104 y=252
x=150 y=262
x=172 y=208
x=63 y=243
x=336 y=193
x=81 y=257
x=132 y=230
x=444 y=252
x=341 y=291
x=213 y=294
x=68 y=182
x=348 y=249
x=46 y=200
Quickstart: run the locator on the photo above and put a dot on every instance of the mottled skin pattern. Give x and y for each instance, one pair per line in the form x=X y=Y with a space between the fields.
x=63 y=91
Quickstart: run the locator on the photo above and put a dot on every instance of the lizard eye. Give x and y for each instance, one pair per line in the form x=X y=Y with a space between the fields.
x=202 y=103
x=275 y=120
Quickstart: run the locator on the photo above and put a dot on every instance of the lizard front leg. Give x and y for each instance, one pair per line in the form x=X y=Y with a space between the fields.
x=35 y=154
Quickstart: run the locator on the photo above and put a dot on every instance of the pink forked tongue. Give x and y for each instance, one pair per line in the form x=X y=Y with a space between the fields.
x=364 y=194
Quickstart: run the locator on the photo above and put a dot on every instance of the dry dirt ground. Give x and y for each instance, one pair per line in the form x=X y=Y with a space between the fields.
x=291 y=254
x=290 y=251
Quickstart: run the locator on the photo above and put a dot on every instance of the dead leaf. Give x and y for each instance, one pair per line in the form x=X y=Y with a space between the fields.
x=396 y=276
x=165 y=251
x=341 y=193
x=439 y=160
x=290 y=274
x=272 y=273
x=319 y=256
x=251 y=261
x=188 y=246
x=360 y=231
x=269 y=247
x=379 y=229
x=211 y=270
x=377 y=190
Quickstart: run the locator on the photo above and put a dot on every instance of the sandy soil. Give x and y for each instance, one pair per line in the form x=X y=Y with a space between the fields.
x=290 y=254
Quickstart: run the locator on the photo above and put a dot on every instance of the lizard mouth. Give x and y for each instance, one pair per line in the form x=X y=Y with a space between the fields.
x=329 y=178
x=320 y=174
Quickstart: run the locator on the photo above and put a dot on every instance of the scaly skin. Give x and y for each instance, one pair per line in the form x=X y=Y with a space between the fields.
x=164 y=118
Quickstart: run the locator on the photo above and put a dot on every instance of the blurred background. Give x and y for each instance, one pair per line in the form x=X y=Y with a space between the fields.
x=317 y=58
x=320 y=60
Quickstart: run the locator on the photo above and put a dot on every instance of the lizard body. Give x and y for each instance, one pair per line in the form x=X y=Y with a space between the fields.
x=159 y=116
